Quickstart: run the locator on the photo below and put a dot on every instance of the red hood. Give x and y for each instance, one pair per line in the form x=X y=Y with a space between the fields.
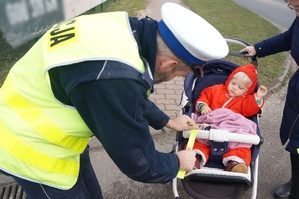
x=250 y=70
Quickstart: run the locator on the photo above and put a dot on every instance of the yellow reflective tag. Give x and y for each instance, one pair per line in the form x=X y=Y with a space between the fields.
x=190 y=144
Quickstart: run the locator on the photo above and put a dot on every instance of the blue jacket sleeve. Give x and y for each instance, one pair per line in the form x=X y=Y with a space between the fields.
x=155 y=117
x=279 y=43
x=118 y=112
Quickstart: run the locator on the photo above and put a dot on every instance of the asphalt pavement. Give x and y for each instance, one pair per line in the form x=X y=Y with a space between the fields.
x=274 y=164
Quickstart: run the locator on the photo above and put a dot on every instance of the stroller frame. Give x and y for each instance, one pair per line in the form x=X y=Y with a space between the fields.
x=228 y=185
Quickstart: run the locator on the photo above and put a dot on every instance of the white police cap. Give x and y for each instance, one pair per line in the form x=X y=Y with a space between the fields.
x=189 y=36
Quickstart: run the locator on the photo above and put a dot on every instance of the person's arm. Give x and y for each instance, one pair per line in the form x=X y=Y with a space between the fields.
x=273 y=45
x=278 y=43
x=114 y=111
x=158 y=119
x=155 y=117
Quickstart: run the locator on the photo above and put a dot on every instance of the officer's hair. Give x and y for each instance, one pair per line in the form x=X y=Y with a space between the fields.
x=163 y=49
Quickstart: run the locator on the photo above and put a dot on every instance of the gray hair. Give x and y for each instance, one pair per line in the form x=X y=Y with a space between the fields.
x=163 y=50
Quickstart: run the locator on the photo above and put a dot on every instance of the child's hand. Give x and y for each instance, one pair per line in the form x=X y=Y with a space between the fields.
x=261 y=92
x=205 y=110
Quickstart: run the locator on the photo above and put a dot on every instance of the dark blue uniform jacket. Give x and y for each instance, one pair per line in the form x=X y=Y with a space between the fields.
x=117 y=110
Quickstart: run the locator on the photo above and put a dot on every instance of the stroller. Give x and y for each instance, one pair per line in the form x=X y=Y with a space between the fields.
x=210 y=181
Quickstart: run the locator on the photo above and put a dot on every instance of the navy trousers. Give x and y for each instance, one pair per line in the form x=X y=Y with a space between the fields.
x=87 y=186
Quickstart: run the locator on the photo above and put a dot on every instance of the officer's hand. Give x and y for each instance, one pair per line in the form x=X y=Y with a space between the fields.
x=181 y=123
x=187 y=159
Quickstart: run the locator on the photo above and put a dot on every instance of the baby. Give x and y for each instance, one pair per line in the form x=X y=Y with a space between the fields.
x=236 y=94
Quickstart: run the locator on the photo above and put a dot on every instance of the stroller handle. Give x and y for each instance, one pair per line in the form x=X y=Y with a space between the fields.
x=237 y=41
x=239 y=54
x=219 y=135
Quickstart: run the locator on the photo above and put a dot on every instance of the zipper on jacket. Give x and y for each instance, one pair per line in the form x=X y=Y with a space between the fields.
x=292 y=127
x=230 y=99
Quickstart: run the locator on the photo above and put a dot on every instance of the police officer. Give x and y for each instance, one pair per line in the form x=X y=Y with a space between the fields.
x=92 y=75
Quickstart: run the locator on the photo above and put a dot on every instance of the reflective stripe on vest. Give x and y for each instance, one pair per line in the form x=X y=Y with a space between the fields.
x=52 y=169
x=28 y=154
x=34 y=117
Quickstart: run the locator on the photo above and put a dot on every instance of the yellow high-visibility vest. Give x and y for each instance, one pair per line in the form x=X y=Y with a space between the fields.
x=41 y=138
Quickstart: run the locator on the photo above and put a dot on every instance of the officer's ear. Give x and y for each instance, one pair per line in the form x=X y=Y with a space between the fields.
x=170 y=64
x=166 y=64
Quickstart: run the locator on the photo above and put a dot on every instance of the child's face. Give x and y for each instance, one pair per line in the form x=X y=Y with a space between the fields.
x=237 y=87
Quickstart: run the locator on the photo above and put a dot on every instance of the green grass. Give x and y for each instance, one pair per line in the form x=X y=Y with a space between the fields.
x=10 y=57
x=133 y=7
x=230 y=19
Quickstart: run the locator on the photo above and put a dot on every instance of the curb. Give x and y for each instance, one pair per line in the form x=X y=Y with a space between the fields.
x=282 y=78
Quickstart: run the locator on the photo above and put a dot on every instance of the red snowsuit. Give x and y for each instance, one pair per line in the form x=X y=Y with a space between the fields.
x=217 y=96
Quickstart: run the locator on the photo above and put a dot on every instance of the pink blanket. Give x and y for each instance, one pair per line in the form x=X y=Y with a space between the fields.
x=226 y=119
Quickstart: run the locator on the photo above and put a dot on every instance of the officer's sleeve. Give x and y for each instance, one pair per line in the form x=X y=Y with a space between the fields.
x=116 y=111
x=155 y=117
